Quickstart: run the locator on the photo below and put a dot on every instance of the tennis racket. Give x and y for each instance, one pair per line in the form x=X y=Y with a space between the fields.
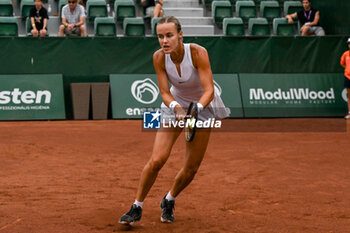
x=190 y=121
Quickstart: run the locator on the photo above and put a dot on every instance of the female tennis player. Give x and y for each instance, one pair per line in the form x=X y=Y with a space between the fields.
x=187 y=68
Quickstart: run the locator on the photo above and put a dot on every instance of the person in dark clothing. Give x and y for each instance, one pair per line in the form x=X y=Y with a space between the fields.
x=38 y=18
x=309 y=19
x=157 y=4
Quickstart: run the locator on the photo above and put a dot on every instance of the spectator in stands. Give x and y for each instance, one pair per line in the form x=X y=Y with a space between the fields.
x=73 y=19
x=157 y=10
x=308 y=18
x=345 y=62
x=38 y=18
x=83 y=3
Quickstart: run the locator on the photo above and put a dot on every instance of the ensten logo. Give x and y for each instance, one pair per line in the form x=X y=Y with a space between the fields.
x=151 y=120
x=344 y=94
x=26 y=97
x=139 y=89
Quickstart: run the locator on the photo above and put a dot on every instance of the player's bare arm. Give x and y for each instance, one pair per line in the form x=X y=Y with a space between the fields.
x=200 y=59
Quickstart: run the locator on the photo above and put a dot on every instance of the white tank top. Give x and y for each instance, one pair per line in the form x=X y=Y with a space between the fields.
x=186 y=86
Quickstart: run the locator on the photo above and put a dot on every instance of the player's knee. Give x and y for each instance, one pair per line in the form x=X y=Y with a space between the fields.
x=155 y=165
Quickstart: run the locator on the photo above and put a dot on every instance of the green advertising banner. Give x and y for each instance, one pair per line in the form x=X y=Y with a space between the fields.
x=134 y=94
x=31 y=97
x=293 y=95
x=228 y=87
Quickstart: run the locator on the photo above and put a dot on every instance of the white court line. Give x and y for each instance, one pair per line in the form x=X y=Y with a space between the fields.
x=10 y=224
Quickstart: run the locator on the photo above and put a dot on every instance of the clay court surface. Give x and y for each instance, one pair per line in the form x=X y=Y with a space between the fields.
x=81 y=176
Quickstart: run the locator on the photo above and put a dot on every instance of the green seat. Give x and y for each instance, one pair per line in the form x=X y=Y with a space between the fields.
x=233 y=27
x=134 y=26
x=104 y=26
x=281 y=27
x=28 y=27
x=26 y=5
x=291 y=7
x=246 y=10
x=61 y=4
x=96 y=8
x=154 y=23
x=124 y=9
x=258 y=27
x=6 y=8
x=221 y=10
x=270 y=10
x=8 y=26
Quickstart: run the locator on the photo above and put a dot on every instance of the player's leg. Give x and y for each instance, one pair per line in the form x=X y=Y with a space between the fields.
x=163 y=144
x=195 y=151
x=165 y=139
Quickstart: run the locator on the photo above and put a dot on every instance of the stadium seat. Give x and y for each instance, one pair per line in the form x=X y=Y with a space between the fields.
x=233 y=27
x=26 y=5
x=281 y=27
x=104 y=26
x=134 y=26
x=221 y=10
x=96 y=8
x=270 y=10
x=291 y=7
x=6 y=8
x=61 y=4
x=124 y=9
x=154 y=23
x=8 y=26
x=258 y=27
x=28 y=27
x=246 y=10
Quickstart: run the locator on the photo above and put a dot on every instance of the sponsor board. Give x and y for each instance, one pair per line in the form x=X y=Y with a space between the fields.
x=154 y=120
x=292 y=95
x=31 y=97
x=228 y=87
x=132 y=95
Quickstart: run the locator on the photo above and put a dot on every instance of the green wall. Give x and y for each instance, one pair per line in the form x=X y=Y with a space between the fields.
x=104 y=56
x=334 y=15
x=93 y=59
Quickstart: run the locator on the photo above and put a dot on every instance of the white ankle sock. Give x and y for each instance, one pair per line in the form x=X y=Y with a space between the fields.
x=169 y=197
x=138 y=203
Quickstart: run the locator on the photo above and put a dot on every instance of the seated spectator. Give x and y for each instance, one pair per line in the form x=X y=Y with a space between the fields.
x=308 y=18
x=38 y=18
x=73 y=18
x=157 y=9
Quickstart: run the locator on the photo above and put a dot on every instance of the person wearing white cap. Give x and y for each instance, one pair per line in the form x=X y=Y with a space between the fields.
x=345 y=62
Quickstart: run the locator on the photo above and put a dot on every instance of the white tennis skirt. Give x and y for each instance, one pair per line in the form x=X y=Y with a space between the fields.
x=215 y=110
